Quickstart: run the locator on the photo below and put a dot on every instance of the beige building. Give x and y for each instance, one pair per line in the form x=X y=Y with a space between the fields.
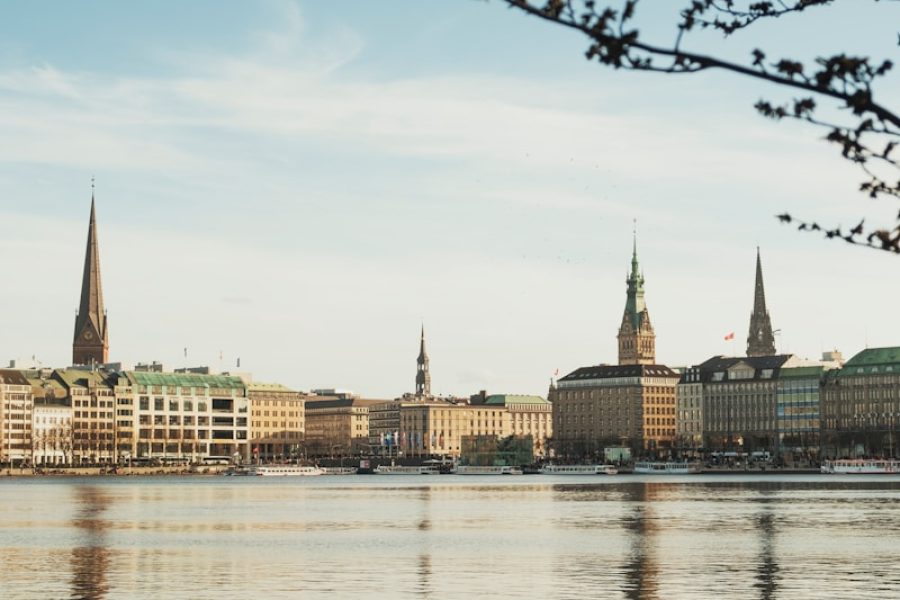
x=175 y=417
x=436 y=428
x=528 y=416
x=337 y=425
x=92 y=398
x=51 y=434
x=16 y=402
x=276 y=421
x=614 y=405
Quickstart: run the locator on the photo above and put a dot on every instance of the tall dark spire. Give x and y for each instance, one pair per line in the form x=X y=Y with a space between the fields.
x=91 y=342
x=637 y=341
x=423 y=377
x=761 y=340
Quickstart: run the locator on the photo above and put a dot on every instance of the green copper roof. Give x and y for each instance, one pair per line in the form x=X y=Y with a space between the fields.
x=507 y=399
x=875 y=356
x=185 y=379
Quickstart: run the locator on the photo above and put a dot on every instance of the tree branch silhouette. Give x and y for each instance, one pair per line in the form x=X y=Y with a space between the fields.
x=867 y=139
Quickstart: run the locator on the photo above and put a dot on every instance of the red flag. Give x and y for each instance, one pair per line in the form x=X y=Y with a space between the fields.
x=730 y=336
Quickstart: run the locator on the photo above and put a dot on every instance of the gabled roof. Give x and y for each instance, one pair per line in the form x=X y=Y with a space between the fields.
x=12 y=377
x=758 y=363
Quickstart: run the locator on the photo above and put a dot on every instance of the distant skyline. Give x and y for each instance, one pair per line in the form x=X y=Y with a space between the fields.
x=302 y=187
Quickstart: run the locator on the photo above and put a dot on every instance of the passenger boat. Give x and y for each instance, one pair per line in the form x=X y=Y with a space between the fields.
x=284 y=471
x=861 y=466
x=579 y=470
x=491 y=470
x=339 y=470
x=665 y=468
x=404 y=470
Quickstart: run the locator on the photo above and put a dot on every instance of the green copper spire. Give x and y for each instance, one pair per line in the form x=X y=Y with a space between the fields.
x=634 y=305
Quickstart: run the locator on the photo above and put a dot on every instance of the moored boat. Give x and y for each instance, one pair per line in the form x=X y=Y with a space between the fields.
x=284 y=471
x=579 y=470
x=861 y=466
x=488 y=470
x=665 y=468
x=406 y=470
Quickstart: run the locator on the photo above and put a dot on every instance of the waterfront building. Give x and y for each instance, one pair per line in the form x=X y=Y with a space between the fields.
x=797 y=405
x=739 y=401
x=16 y=406
x=689 y=411
x=337 y=425
x=91 y=342
x=52 y=419
x=528 y=416
x=630 y=404
x=614 y=405
x=437 y=427
x=181 y=416
x=91 y=395
x=276 y=421
x=860 y=405
x=761 y=339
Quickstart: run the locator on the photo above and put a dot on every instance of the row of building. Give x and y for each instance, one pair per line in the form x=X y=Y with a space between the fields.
x=97 y=411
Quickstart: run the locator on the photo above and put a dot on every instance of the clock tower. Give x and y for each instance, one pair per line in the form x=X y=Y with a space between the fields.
x=91 y=343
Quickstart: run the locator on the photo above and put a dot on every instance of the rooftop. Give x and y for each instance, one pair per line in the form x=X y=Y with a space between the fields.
x=875 y=356
x=611 y=371
x=508 y=399
x=184 y=379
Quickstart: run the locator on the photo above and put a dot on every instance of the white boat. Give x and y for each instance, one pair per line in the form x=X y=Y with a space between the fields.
x=339 y=470
x=284 y=471
x=403 y=470
x=861 y=466
x=665 y=468
x=579 y=470
x=475 y=470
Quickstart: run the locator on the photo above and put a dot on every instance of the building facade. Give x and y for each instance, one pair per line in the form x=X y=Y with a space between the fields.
x=181 y=417
x=91 y=395
x=689 y=411
x=797 y=406
x=16 y=406
x=338 y=426
x=438 y=428
x=276 y=422
x=860 y=406
x=528 y=416
x=739 y=402
x=614 y=405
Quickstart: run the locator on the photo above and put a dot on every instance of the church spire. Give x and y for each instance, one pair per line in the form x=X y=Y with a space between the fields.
x=423 y=377
x=91 y=341
x=761 y=340
x=637 y=341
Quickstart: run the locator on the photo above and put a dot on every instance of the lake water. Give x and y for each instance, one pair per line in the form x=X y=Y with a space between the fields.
x=451 y=537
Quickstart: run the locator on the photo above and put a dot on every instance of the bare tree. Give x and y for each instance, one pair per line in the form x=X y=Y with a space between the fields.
x=867 y=133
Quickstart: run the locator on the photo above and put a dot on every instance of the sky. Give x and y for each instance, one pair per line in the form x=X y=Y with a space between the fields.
x=302 y=185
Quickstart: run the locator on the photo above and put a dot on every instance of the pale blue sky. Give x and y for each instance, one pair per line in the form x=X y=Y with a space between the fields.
x=301 y=183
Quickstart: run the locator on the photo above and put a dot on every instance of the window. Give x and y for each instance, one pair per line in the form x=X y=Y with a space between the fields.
x=157 y=404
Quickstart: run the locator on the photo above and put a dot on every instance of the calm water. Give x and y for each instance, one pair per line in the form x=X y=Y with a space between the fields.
x=451 y=537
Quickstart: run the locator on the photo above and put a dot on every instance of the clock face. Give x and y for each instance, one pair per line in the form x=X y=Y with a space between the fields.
x=88 y=335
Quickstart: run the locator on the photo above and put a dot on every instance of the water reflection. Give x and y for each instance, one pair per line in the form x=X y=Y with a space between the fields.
x=423 y=571
x=767 y=567
x=90 y=559
x=640 y=569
